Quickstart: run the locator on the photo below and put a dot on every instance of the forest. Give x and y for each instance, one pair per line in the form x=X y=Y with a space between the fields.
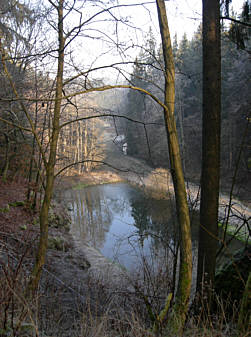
x=90 y=97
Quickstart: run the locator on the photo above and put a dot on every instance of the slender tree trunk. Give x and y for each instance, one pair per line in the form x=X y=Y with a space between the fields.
x=42 y=248
x=177 y=321
x=30 y=177
x=92 y=149
x=36 y=203
x=208 y=235
x=7 y=158
x=77 y=147
x=85 y=150
x=182 y=138
x=80 y=147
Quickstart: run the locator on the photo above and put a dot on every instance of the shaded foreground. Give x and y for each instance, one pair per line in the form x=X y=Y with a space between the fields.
x=71 y=301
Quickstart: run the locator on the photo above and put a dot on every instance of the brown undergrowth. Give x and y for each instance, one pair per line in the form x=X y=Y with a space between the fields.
x=70 y=301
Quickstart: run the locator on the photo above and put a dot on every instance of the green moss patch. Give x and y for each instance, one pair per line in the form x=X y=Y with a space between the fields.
x=5 y=209
x=57 y=243
x=80 y=186
x=17 y=203
x=242 y=235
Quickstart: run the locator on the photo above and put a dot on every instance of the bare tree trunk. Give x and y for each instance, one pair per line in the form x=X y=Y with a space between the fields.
x=80 y=147
x=7 y=157
x=85 y=151
x=182 y=138
x=36 y=203
x=42 y=248
x=77 y=146
x=92 y=150
x=208 y=235
x=177 y=321
x=30 y=176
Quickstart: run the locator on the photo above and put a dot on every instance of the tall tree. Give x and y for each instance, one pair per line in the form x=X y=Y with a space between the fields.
x=180 y=309
x=211 y=129
x=50 y=164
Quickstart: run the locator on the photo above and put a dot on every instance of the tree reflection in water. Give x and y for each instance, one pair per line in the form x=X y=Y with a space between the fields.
x=124 y=224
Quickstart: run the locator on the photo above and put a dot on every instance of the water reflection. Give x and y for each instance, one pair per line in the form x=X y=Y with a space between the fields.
x=122 y=222
x=90 y=218
x=128 y=227
x=153 y=218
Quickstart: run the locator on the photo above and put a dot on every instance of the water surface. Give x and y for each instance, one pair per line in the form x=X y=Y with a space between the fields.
x=126 y=226
x=122 y=222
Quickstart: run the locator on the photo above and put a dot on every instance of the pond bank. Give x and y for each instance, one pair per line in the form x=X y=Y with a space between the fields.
x=157 y=184
x=83 y=265
x=152 y=181
x=96 y=265
x=71 y=279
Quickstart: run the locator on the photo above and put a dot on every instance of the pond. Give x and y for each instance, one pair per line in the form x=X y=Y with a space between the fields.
x=125 y=225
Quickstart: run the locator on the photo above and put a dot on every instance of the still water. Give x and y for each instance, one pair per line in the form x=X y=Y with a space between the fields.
x=125 y=225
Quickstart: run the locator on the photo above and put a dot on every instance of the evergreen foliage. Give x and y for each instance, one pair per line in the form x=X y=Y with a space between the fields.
x=188 y=107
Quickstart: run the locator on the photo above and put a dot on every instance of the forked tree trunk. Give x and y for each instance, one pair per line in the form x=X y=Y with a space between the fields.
x=177 y=320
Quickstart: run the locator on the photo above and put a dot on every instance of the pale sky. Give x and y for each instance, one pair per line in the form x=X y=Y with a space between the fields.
x=184 y=16
x=98 y=43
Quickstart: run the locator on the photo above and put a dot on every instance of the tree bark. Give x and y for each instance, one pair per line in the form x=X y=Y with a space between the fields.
x=7 y=158
x=208 y=233
x=177 y=321
x=50 y=166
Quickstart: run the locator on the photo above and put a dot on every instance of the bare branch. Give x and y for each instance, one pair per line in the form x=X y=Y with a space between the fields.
x=16 y=125
x=236 y=21
x=108 y=115
x=105 y=10
x=90 y=161
x=96 y=89
x=113 y=65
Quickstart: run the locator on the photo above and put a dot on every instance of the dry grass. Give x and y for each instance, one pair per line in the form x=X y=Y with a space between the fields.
x=86 y=306
x=158 y=183
x=92 y=311
x=89 y=307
